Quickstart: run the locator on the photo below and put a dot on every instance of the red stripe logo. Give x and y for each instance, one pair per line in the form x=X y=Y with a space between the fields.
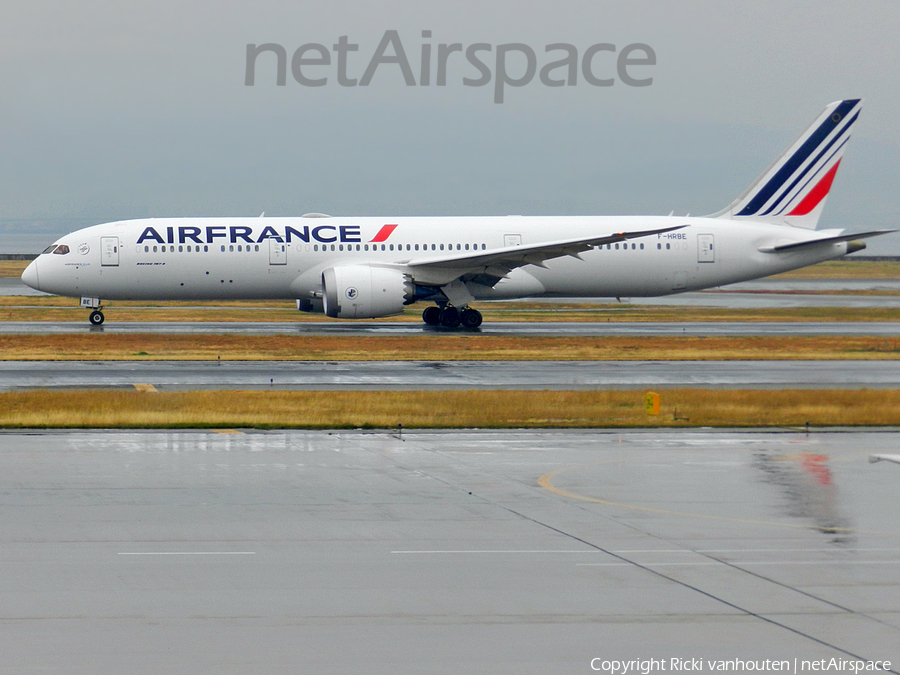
x=817 y=194
x=383 y=234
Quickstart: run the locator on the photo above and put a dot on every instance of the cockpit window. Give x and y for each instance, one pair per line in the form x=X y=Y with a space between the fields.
x=62 y=249
x=49 y=249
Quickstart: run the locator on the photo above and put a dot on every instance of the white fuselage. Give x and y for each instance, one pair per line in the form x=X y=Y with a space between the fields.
x=256 y=258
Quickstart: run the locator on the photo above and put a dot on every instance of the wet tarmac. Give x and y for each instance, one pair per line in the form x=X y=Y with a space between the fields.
x=14 y=286
x=459 y=552
x=448 y=375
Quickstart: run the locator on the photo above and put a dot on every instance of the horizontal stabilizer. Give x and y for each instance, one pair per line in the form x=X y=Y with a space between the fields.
x=825 y=240
x=889 y=458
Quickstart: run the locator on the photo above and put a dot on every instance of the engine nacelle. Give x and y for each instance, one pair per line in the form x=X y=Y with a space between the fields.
x=363 y=292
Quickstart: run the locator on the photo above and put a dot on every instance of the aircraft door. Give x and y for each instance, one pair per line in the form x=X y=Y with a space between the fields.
x=705 y=250
x=277 y=252
x=109 y=251
x=512 y=239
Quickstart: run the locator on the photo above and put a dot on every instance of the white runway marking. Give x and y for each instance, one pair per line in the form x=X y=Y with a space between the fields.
x=187 y=553
x=501 y=551
x=745 y=562
x=651 y=550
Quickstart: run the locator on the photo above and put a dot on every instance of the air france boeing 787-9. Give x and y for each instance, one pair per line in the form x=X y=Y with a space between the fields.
x=356 y=268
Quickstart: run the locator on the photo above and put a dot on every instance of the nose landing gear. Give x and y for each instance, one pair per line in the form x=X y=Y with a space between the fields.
x=96 y=316
x=449 y=316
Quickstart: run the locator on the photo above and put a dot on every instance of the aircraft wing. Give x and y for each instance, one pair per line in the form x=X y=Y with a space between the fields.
x=499 y=262
x=824 y=240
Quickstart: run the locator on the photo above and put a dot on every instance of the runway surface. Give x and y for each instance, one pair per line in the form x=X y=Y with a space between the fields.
x=525 y=328
x=445 y=375
x=474 y=552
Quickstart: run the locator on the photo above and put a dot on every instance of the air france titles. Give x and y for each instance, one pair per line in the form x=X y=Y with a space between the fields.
x=235 y=234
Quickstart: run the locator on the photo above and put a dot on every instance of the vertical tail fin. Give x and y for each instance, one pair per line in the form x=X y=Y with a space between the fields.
x=793 y=189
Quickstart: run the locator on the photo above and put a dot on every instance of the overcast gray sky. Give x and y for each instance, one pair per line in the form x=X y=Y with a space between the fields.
x=118 y=110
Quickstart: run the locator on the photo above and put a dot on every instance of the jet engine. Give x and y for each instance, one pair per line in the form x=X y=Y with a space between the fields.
x=363 y=292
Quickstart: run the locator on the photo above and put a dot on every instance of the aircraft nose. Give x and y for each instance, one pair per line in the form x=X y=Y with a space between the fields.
x=30 y=275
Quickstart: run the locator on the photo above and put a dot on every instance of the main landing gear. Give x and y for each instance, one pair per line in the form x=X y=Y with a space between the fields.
x=449 y=316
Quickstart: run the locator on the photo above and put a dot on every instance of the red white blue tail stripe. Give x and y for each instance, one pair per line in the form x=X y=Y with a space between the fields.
x=792 y=191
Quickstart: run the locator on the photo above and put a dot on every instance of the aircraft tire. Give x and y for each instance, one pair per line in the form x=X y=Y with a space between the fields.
x=471 y=318
x=450 y=317
x=96 y=318
x=432 y=315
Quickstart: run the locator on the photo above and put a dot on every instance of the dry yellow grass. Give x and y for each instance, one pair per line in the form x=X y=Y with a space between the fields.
x=437 y=346
x=445 y=409
x=13 y=268
x=847 y=269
